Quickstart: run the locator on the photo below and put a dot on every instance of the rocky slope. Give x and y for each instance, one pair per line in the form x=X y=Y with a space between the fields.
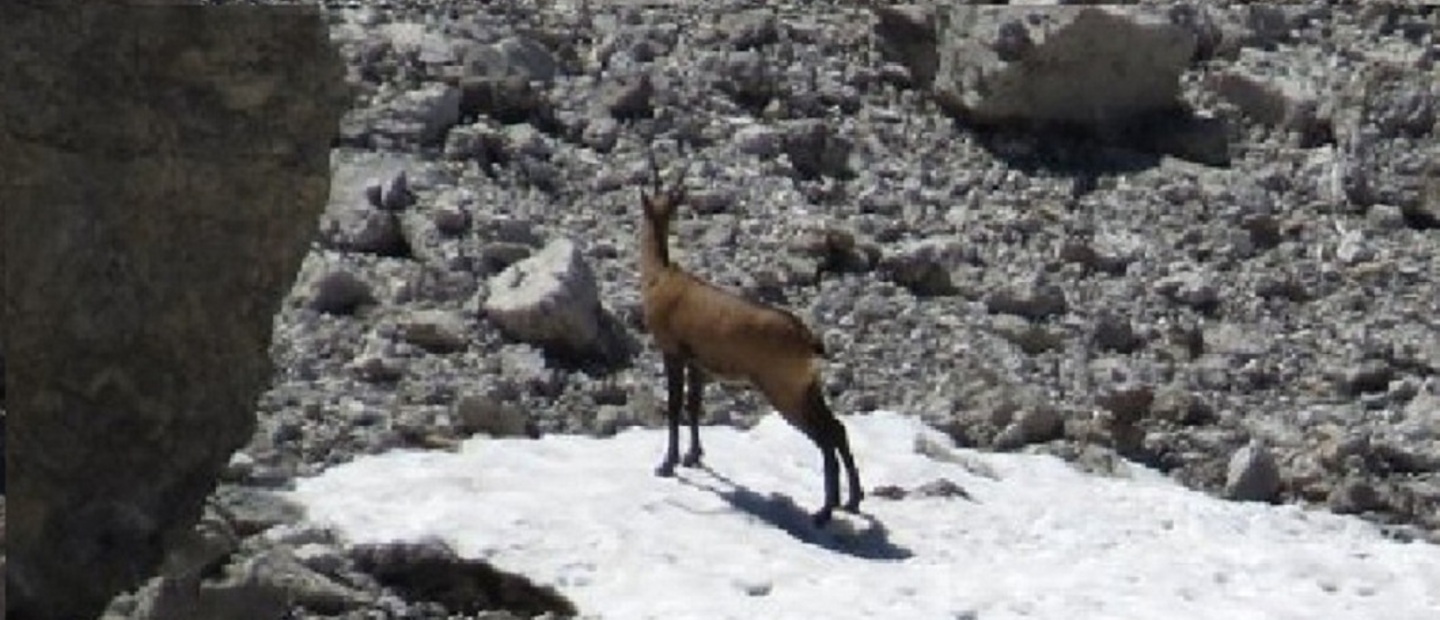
x=1239 y=291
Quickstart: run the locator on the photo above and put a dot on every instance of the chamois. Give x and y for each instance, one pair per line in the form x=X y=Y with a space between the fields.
x=705 y=332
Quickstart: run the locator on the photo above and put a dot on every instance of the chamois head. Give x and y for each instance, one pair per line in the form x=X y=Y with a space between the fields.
x=660 y=204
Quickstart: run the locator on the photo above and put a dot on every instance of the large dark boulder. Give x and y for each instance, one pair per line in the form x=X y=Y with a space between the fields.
x=164 y=171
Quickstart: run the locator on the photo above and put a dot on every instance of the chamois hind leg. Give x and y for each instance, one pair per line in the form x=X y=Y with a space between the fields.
x=694 y=391
x=832 y=438
x=675 y=385
x=842 y=443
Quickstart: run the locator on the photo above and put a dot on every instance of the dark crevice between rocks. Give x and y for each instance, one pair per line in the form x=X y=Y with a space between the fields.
x=433 y=573
x=1120 y=146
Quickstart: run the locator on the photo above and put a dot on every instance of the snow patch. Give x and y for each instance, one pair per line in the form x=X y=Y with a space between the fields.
x=1031 y=537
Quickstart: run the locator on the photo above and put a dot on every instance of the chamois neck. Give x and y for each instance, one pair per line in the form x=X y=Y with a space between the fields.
x=654 y=248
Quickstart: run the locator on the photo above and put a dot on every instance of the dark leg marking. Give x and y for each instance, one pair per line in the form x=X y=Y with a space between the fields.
x=675 y=385
x=696 y=389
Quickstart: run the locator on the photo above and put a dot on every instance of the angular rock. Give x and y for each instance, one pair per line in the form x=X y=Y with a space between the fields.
x=1031 y=425
x=1252 y=475
x=1114 y=333
x=1354 y=496
x=423 y=115
x=816 y=150
x=338 y=291
x=630 y=100
x=921 y=266
x=209 y=203
x=551 y=300
x=392 y=194
x=495 y=412
x=1032 y=338
x=758 y=140
x=361 y=228
x=1192 y=289
x=905 y=34
x=436 y=331
x=1030 y=300
x=1129 y=402
x=1086 y=65
x=1274 y=89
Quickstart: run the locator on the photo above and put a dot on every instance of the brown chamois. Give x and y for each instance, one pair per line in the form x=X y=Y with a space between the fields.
x=705 y=332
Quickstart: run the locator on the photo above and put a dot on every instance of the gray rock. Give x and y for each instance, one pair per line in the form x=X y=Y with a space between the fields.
x=1031 y=300
x=1275 y=90
x=424 y=114
x=187 y=227
x=451 y=220
x=1353 y=496
x=338 y=291
x=250 y=510
x=1114 y=333
x=905 y=34
x=1068 y=64
x=392 y=194
x=551 y=300
x=1178 y=405
x=942 y=487
x=1193 y=289
x=436 y=331
x=495 y=413
x=1372 y=375
x=921 y=266
x=748 y=79
x=630 y=100
x=1032 y=338
x=816 y=150
x=601 y=134
x=1129 y=401
x=1252 y=475
x=1029 y=426
x=758 y=140
x=359 y=228
x=751 y=29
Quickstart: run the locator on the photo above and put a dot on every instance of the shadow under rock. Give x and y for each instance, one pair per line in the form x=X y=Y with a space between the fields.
x=1086 y=151
x=870 y=543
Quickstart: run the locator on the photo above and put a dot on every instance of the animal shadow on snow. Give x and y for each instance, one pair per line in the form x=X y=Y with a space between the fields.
x=872 y=542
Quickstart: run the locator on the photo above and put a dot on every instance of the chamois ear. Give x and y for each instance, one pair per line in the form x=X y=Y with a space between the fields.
x=646 y=201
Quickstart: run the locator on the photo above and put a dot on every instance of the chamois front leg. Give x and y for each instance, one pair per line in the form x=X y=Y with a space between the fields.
x=675 y=385
x=695 y=389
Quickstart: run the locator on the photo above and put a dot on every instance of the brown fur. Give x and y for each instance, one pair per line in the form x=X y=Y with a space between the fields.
x=712 y=333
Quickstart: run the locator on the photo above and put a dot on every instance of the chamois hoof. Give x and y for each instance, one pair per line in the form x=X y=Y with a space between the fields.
x=852 y=506
x=666 y=469
x=692 y=458
x=821 y=518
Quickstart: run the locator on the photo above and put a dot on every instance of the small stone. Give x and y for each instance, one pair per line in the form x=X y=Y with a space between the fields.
x=452 y=221
x=436 y=331
x=339 y=292
x=1114 y=333
x=492 y=413
x=631 y=100
x=1252 y=475
x=1130 y=402
x=758 y=140
x=1354 y=496
x=889 y=491
x=396 y=194
x=1032 y=301
x=1191 y=289
x=942 y=487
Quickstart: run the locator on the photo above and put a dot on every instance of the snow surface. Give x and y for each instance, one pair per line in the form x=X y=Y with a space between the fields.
x=1034 y=539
